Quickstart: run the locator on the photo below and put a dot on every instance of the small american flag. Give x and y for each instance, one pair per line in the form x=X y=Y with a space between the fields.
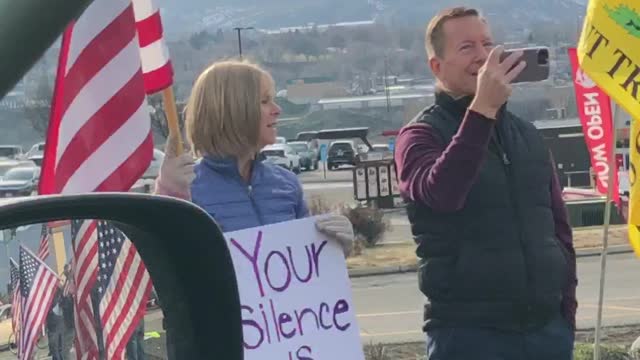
x=38 y=285
x=84 y=238
x=16 y=299
x=154 y=54
x=122 y=289
x=45 y=236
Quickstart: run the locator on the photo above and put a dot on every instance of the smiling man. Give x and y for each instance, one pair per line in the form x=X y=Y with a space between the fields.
x=497 y=262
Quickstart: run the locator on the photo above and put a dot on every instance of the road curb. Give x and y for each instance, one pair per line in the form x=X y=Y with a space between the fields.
x=383 y=270
x=328 y=182
x=391 y=270
x=613 y=250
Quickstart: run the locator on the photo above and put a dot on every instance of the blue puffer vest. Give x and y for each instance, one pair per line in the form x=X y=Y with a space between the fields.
x=273 y=195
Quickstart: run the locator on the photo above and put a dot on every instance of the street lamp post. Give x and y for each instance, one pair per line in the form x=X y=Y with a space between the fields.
x=239 y=30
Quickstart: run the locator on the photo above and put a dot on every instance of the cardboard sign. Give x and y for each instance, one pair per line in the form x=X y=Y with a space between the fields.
x=295 y=294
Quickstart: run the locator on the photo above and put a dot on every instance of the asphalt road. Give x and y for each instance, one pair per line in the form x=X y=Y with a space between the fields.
x=389 y=308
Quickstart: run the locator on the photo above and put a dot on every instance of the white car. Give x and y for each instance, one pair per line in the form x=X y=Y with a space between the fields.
x=283 y=155
x=11 y=152
x=36 y=150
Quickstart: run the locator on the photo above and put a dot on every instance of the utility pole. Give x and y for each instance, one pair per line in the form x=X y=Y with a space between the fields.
x=239 y=30
x=386 y=84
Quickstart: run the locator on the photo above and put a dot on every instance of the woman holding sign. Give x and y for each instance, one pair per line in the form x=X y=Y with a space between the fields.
x=230 y=117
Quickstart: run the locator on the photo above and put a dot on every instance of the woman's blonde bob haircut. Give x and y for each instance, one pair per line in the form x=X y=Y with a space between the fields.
x=223 y=113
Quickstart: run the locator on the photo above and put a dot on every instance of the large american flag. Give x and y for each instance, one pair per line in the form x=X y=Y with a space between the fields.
x=16 y=299
x=99 y=139
x=117 y=288
x=38 y=285
x=45 y=236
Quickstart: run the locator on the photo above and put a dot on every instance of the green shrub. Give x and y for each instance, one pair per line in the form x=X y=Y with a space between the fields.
x=368 y=223
x=607 y=352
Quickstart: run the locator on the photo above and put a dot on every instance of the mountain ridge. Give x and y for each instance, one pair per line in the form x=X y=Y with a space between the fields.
x=182 y=17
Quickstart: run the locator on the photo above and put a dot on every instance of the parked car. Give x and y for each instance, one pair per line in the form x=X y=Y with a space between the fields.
x=380 y=148
x=342 y=152
x=308 y=157
x=19 y=181
x=379 y=152
x=37 y=159
x=153 y=170
x=11 y=152
x=282 y=155
x=281 y=140
x=36 y=150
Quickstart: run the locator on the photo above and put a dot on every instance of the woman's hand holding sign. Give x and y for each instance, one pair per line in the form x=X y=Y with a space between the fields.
x=176 y=172
x=339 y=228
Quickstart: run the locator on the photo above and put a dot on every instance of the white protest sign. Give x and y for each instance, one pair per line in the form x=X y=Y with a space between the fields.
x=295 y=294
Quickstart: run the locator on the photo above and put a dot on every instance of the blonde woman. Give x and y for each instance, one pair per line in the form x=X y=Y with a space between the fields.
x=230 y=116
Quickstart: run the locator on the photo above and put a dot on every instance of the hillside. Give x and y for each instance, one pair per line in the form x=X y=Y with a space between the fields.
x=182 y=17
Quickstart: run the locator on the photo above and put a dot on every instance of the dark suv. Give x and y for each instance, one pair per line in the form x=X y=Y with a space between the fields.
x=341 y=153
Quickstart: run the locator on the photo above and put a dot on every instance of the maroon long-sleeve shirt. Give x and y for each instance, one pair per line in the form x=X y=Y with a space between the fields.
x=440 y=176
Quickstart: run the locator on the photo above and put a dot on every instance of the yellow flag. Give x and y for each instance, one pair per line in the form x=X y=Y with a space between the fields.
x=609 y=52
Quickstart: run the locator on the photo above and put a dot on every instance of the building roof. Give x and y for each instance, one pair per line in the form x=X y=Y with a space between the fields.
x=348 y=99
x=557 y=124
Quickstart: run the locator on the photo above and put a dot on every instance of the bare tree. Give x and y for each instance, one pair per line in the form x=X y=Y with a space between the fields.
x=37 y=107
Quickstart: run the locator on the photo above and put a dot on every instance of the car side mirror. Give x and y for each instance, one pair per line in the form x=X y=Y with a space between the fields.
x=181 y=246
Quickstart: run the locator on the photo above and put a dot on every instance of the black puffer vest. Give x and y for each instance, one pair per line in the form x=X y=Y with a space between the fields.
x=495 y=263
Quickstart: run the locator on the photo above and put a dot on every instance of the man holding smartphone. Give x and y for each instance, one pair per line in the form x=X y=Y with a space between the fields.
x=497 y=262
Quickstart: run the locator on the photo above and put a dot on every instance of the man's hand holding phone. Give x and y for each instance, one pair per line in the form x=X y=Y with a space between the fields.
x=494 y=81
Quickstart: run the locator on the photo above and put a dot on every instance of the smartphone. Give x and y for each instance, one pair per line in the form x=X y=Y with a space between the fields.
x=537 y=59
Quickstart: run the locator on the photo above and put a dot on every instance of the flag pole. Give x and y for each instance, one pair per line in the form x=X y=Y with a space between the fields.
x=174 y=139
x=605 y=237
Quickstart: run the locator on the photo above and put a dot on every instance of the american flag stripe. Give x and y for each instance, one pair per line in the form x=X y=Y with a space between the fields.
x=16 y=306
x=149 y=28
x=85 y=271
x=45 y=236
x=93 y=59
x=38 y=284
x=16 y=303
x=93 y=22
x=85 y=339
x=86 y=256
x=121 y=176
x=95 y=133
x=104 y=161
x=37 y=307
x=119 y=334
x=156 y=64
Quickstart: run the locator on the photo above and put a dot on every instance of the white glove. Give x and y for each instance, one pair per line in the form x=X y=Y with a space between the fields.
x=339 y=228
x=177 y=173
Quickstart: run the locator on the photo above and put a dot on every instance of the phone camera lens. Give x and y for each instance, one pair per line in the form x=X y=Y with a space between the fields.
x=543 y=57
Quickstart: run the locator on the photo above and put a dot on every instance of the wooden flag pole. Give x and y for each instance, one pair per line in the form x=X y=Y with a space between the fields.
x=605 y=237
x=174 y=140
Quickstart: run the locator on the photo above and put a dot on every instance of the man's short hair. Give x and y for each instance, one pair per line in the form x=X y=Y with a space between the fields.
x=434 y=37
